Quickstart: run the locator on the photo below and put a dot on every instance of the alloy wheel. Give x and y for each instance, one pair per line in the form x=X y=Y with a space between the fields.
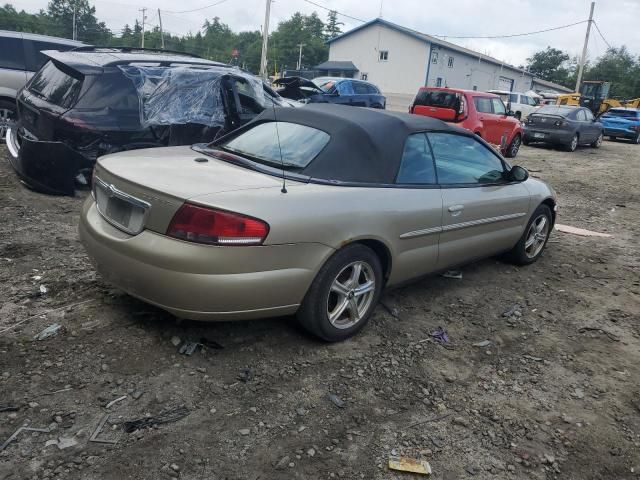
x=515 y=146
x=536 y=236
x=351 y=294
x=574 y=143
x=6 y=117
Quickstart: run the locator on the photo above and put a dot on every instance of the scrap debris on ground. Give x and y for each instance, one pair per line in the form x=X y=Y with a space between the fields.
x=553 y=395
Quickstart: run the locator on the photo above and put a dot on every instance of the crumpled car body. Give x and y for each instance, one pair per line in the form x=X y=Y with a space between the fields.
x=341 y=91
x=88 y=103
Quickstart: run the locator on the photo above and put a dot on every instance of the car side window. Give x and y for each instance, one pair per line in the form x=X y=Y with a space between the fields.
x=360 y=88
x=483 y=104
x=589 y=115
x=11 y=53
x=372 y=89
x=464 y=160
x=416 y=166
x=35 y=60
x=498 y=106
x=345 y=88
x=580 y=116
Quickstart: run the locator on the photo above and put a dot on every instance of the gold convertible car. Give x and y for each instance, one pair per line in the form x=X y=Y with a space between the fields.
x=309 y=211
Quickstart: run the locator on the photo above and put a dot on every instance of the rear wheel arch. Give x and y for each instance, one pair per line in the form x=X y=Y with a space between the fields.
x=382 y=252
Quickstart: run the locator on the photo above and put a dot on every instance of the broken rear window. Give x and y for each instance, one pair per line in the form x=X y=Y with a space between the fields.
x=437 y=98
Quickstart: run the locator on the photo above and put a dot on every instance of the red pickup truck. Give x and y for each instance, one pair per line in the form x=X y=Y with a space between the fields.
x=482 y=113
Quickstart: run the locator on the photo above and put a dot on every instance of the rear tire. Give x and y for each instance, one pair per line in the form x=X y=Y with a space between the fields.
x=526 y=142
x=8 y=113
x=573 y=144
x=514 y=146
x=598 y=142
x=534 y=239
x=637 y=139
x=343 y=295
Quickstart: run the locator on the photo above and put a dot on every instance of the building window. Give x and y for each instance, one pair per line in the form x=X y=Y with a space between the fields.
x=438 y=82
x=475 y=88
x=364 y=76
x=450 y=63
x=434 y=57
x=384 y=55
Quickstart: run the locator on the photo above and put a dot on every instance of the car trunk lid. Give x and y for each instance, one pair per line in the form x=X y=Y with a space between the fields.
x=144 y=188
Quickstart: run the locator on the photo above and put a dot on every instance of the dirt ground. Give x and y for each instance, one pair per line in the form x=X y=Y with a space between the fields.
x=554 y=394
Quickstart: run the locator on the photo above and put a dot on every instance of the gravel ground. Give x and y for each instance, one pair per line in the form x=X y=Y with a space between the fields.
x=552 y=393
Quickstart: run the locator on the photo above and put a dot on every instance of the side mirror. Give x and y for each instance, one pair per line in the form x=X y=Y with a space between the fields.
x=510 y=113
x=518 y=173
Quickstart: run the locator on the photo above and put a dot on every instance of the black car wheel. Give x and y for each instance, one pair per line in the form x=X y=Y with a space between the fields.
x=343 y=295
x=7 y=117
x=534 y=239
x=573 y=144
x=598 y=141
x=637 y=139
x=514 y=147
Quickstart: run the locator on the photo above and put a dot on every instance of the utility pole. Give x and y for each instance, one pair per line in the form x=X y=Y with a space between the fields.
x=265 y=41
x=584 y=48
x=300 y=55
x=144 y=17
x=161 y=34
x=75 y=30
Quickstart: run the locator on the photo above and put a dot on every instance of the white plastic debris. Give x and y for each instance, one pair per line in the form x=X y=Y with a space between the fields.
x=482 y=344
x=51 y=331
x=43 y=289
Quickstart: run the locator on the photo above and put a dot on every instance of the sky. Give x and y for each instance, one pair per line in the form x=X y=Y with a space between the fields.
x=617 y=19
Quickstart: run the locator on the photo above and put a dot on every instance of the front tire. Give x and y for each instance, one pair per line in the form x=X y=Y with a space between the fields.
x=637 y=139
x=534 y=239
x=343 y=295
x=514 y=146
x=598 y=142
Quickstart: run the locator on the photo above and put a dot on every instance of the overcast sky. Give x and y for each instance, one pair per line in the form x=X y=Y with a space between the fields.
x=617 y=19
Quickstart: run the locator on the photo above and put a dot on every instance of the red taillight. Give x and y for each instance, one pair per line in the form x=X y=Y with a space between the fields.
x=216 y=227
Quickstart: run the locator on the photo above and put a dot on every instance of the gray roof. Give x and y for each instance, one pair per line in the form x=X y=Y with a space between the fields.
x=40 y=38
x=431 y=39
x=555 y=86
x=338 y=65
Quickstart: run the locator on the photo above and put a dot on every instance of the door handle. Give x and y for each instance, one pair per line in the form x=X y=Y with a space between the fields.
x=456 y=208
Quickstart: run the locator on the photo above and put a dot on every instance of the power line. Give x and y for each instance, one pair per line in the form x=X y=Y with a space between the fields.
x=199 y=8
x=602 y=36
x=333 y=10
x=514 y=34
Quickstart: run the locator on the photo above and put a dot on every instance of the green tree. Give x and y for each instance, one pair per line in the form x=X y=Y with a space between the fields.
x=88 y=28
x=332 y=28
x=620 y=68
x=551 y=64
x=306 y=29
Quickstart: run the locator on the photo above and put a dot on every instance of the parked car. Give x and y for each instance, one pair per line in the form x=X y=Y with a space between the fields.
x=481 y=113
x=20 y=57
x=520 y=104
x=622 y=123
x=563 y=125
x=341 y=91
x=92 y=101
x=348 y=201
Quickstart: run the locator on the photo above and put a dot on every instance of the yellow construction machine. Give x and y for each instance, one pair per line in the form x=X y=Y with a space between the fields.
x=594 y=95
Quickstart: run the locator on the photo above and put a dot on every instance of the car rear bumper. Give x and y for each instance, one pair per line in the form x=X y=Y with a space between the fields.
x=202 y=282
x=48 y=167
x=532 y=134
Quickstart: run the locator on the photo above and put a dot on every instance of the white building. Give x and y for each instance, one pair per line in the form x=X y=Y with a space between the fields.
x=399 y=60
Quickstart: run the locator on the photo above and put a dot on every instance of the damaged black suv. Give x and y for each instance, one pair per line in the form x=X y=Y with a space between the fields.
x=92 y=101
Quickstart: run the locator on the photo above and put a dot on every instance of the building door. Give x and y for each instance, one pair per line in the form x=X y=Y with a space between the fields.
x=505 y=83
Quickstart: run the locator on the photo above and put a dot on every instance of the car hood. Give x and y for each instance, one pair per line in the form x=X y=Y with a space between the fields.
x=181 y=172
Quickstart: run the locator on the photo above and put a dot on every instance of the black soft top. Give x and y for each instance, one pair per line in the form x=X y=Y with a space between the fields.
x=366 y=144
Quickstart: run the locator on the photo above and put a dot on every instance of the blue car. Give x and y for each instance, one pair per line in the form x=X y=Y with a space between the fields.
x=622 y=123
x=343 y=91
